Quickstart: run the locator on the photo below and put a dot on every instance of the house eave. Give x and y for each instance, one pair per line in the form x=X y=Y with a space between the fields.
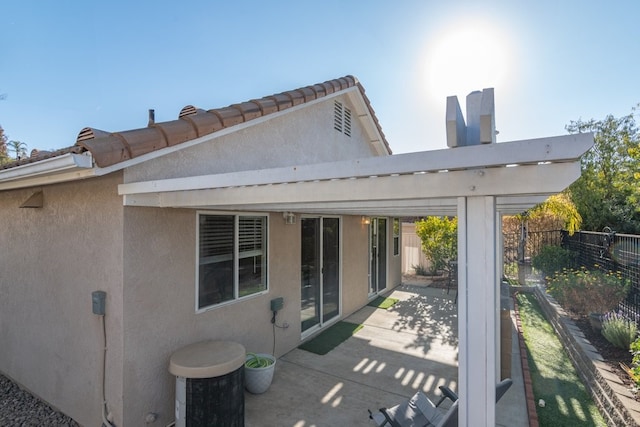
x=67 y=167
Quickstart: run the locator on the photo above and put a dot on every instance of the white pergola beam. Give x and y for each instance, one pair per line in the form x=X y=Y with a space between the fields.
x=555 y=149
x=528 y=179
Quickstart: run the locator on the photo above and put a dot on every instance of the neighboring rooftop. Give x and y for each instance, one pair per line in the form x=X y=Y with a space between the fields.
x=110 y=148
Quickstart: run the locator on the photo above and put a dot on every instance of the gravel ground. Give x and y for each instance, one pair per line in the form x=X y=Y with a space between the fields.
x=21 y=409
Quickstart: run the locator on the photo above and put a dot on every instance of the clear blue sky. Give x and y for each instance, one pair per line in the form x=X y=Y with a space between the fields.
x=71 y=64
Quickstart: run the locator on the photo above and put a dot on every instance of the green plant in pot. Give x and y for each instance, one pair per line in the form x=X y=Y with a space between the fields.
x=258 y=372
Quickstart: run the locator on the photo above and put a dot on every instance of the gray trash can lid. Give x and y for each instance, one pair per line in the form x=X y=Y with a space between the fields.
x=207 y=359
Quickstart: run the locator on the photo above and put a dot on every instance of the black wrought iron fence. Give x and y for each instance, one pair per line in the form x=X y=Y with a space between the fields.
x=610 y=251
x=515 y=251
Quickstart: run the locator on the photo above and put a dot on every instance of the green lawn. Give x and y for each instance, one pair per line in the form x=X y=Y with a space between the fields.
x=555 y=380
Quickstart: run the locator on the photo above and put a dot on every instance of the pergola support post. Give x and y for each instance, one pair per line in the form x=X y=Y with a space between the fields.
x=478 y=310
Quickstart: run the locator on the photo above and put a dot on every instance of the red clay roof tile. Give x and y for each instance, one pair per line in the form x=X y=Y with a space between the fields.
x=309 y=93
x=283 y=101
x=266 y=105
x=110 y=150
x=250 y=110
x=177 y=131
x=230 y=116
x=296 y=96
x=204 y=122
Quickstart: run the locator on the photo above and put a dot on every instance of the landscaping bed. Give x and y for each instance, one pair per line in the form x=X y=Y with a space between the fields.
x=614 y=398
x=611 y=355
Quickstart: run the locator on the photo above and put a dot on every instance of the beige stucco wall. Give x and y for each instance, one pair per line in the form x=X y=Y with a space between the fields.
x=51 y=260
x=160 y=255
x=145 y=259
x=355 y=264
x=303 y=136
x=159 y=295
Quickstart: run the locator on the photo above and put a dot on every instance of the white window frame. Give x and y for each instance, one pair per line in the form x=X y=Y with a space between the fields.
x=236 y=258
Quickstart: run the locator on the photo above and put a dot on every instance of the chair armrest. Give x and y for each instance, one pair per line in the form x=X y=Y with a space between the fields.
x=388 y=419
x=446 y=393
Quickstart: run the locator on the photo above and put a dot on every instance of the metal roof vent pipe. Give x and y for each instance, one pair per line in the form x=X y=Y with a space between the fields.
x=152 y=117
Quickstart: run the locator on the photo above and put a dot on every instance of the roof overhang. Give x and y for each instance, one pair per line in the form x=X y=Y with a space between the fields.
x=520 y=174
x=66 y=167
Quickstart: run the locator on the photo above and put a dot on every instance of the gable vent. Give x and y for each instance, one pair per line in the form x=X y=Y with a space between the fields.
x=346 y=122
x=341 y=118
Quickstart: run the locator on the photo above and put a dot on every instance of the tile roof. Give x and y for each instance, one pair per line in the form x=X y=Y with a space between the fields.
x=112 y=148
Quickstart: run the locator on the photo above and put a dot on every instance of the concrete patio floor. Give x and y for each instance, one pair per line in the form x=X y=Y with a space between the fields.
x=411 y=346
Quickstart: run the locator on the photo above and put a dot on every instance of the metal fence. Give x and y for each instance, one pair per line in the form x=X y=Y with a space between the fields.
x=610 y=251
x=514 y=251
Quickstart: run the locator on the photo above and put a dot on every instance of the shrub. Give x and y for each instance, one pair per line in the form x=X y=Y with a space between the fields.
x=634 y=372
x=439 y=236
x=583 y=291
x=420 y=270
x=619 y=330
x=553 y=258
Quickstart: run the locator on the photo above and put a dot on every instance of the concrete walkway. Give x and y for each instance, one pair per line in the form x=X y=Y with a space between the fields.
x=411 y=346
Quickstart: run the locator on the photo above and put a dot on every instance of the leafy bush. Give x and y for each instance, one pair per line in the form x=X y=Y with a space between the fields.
x=510 y=269
x=439 y=236
x=553 y=258
x=583 y=291
x=619 y=330
x=634 y=372
x=420 y=270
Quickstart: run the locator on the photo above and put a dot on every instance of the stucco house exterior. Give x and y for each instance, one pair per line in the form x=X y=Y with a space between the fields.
x=192 y=227
x=178 y=274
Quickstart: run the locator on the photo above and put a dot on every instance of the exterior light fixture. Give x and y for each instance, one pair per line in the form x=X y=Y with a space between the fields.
x=289 y=217
x=366 y=220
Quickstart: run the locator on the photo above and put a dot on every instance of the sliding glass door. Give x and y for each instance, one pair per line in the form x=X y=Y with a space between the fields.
x=377 y=255
x=320 y=271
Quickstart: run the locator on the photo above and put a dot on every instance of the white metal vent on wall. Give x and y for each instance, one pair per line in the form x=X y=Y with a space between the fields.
x=342 y=118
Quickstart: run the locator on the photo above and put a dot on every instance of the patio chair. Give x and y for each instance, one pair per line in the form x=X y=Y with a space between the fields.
x=419 y=411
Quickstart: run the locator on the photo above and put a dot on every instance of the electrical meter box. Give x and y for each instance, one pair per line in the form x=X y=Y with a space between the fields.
x=98 y=302
x=277 y=304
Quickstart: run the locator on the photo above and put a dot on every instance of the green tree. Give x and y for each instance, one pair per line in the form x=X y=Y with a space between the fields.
x=558 y=207
x=4 y=157
x=439 y=236
x=18 y=148
x=607 y=193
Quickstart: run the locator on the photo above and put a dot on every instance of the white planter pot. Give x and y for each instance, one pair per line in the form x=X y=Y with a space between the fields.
x=258 y=380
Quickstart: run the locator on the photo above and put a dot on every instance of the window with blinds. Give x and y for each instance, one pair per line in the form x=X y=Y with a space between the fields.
x=232 y=258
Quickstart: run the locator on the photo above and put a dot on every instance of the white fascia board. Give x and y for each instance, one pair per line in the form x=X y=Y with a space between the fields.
x=67 y=167
x=365 y=116
x=566 y=148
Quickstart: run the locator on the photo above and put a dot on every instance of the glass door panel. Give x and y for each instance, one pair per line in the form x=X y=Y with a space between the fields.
x=377 y=255
x=330 y=268
x=382 y=254
x=310 y=274
x=320 y=271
